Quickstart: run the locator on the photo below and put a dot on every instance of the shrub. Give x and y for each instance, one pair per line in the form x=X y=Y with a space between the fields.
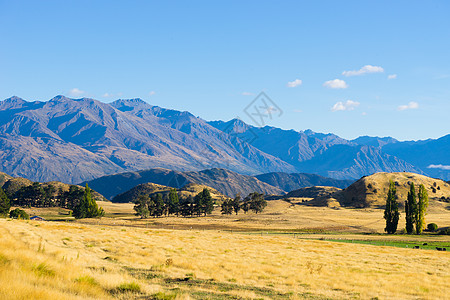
x=432 y=227
x=445 y=231
x=129 y=287
x=19 y=214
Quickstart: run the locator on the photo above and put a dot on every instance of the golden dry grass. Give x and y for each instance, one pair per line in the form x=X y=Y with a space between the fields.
x=209 y=264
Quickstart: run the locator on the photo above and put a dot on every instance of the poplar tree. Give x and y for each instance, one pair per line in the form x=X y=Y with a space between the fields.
x=411 y=209
x=391 y=213
x=5 y=204
x=421 y=211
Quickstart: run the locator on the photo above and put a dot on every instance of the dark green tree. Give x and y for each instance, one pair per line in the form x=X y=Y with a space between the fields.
x=141 y=206
x=159 y=206
x=411 y=209
x=245 y=205
x=208 y=202
x=227 y=207
x=421 y=210
x=187 y=206
x=5 y=204
x=173 y=202
x=257 y=202
x=391 y=213
x=87 y=208
x=19 y=214
x=236 y=203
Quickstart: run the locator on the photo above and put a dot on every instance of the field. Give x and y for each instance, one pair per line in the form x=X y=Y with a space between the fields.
x=289 y=252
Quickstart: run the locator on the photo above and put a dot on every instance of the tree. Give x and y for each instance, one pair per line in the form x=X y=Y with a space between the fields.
x=391 y=213
x=411 y=209
x=257 y=202
x=5 y=204
x=19 y=214
x=236 y=203
x=141 y=206
x=187 y=206
x=87 y=208
x=159 y=206
x=421 y=210
x=173 y=202
x=227 y=207
x=208 y=202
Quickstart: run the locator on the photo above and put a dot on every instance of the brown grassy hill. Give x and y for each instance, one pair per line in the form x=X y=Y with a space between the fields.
x=12 y=185
x=190 y=189
x=313 y=192
x=371 y=191
x=4 y=178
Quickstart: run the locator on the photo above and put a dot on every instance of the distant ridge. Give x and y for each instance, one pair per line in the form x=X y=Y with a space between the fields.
x=75 y=140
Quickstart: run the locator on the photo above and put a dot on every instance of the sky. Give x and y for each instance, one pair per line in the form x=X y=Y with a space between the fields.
x=353 y=68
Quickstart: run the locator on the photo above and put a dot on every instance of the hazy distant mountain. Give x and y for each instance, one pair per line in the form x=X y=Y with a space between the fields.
x=289 y=182
x=226 y=182
x=324 y=154
x=73 y=140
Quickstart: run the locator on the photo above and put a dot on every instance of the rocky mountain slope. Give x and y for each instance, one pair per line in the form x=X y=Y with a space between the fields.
x=74 y=140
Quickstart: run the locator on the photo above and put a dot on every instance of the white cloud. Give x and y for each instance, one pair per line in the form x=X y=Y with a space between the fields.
x=364 y=70
x=410 y=105
x=247 y=94
x=335 y=84
x=442 y=167
x=392 y=76
x=76 y=92
x=107 y=95
x=294 y=83
x=347 y=105
x=151 y=93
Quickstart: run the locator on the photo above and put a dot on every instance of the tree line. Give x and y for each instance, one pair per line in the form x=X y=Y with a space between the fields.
x=202 y=204
x=80 y=201
x=416 y=206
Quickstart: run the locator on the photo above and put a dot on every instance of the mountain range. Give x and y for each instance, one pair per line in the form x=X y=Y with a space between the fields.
x=76 y=140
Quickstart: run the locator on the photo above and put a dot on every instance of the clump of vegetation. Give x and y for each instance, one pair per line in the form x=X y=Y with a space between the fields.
x=391 y=213
x=411 y=209
x=254 y=201
x=432 y=227
x=416 y=210
x=43 y=270
x=87 y=279
x=5 y=204
x=131 y=287
x=87 y=208
x=445 y=231
x=19 y=214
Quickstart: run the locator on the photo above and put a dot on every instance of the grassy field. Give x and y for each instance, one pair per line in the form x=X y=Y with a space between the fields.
x=221 y=257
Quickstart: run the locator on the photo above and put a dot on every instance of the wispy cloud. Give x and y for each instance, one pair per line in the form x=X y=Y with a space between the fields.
x=76 y=92
x=335 y=84
x=110 y=95
x=442 y=167
x=247 y=94
x=410 y=105
x=364 y=70
x=151 y=93
x=392 y=76
x=298 y=110
x=347 y=105
x=294 y=83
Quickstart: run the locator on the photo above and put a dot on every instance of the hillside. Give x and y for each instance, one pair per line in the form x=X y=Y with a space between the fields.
x=150 y=189
x=75 y=140
x=289 y=182
x=226 y=182
x=313 y=192
x=371 y=191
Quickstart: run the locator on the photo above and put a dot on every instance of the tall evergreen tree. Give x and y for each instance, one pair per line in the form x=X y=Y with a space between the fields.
x=87 y=208
x=159 y=205
x=173 y=202
x=208 y=202
x=141 y=206
x=411 y=209
x=391 y=213
x=227 y=207
x=5 y=204
x=421 y=210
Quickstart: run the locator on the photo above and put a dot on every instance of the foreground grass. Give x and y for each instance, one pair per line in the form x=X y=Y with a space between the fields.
x=97 y=261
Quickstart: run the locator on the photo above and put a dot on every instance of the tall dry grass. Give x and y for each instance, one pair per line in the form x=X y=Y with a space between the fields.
x=223 y=263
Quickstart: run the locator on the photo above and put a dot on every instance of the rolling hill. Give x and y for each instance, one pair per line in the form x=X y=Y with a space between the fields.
x=371 y=191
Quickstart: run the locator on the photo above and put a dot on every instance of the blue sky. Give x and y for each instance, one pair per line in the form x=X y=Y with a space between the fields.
x=213 y=57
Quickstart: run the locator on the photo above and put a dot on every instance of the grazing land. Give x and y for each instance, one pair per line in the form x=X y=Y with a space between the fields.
x=334 y=253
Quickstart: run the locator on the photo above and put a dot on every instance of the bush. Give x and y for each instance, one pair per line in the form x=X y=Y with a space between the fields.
x=445 y=231
x=129 y=287
x=432 y=227
x=19 y=214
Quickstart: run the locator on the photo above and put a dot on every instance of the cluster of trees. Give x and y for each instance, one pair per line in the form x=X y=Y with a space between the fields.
x=158 y=205
x=254 y=202
x=81 y=202
x=38 y=195
x=414 y=210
